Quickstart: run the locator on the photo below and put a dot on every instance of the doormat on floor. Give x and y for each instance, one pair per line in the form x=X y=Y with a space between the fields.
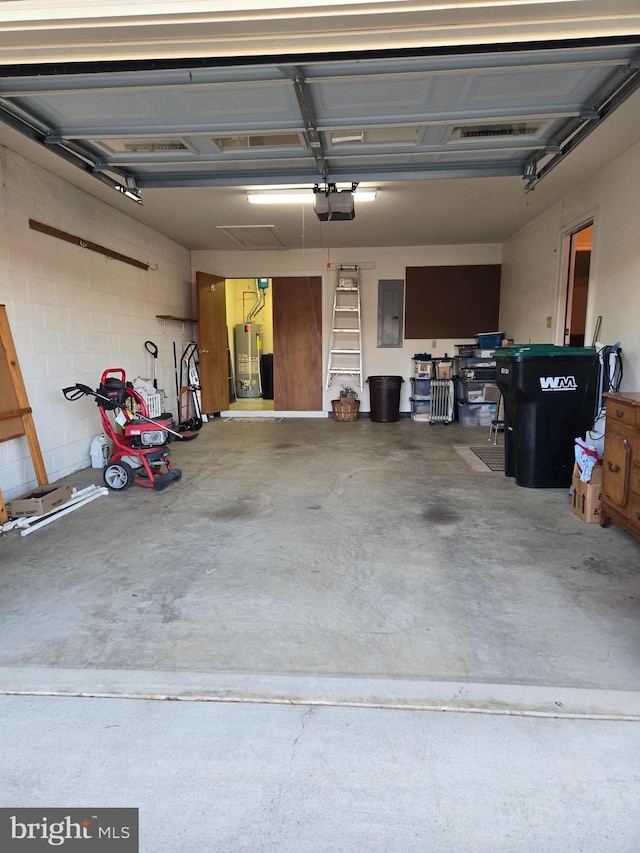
x=493 y=457
x=233 y=420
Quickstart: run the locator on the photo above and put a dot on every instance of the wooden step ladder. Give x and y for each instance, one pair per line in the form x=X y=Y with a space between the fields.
x=16 y=418
x=345 y=348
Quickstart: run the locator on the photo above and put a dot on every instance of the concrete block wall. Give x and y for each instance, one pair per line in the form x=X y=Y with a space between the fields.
x=74 y=313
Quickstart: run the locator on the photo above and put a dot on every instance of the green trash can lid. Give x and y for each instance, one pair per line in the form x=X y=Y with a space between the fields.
x=542 y=351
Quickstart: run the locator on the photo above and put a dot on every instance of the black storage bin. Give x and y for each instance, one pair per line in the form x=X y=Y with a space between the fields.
x=384 y=395
x=549 y=401
x=488 y=374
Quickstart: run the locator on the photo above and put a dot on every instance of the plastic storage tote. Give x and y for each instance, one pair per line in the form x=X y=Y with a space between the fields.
x=420 y=389
x=476 y=414
x=420 y=409
x=475 y=391
x=489 y=340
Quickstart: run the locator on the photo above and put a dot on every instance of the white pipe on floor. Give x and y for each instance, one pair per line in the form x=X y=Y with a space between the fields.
x=78 y=496
x=65 y=509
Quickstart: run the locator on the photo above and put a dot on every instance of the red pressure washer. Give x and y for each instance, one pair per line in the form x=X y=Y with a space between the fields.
x=139 y=454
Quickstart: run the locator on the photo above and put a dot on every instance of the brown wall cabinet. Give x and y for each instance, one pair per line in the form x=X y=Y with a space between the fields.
x=451 y=301
x=621 y=463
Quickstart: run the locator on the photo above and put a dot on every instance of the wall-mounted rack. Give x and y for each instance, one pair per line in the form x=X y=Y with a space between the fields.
x=88 y=244
x=172 y=318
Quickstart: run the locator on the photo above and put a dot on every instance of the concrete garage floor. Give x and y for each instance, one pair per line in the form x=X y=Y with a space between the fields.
x=334 y=564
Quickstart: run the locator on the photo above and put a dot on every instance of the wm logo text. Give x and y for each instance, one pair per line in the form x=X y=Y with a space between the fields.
x=558 y=383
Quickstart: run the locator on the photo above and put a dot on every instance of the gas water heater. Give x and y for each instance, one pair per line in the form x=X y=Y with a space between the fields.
x=248 y=349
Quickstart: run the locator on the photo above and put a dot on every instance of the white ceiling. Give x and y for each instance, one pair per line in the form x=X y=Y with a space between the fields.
x=168 y=125
x=33 y=31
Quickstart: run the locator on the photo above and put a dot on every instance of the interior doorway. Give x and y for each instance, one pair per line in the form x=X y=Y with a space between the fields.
x=241 y=322
x=579 y=265
x=249 y=308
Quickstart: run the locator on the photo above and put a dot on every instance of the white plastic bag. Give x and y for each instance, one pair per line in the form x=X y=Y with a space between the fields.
x=587 y=458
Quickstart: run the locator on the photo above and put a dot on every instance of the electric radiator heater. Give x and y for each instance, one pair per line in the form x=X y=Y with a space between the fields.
x=442 y=394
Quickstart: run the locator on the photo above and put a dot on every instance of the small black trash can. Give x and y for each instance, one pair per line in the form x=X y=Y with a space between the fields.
x=384 y=395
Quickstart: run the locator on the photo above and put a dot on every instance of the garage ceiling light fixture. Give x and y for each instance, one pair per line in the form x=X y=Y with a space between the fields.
x=301 y=197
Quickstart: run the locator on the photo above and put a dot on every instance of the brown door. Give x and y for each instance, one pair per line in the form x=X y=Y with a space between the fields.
x=297 y=344
x=214 y=343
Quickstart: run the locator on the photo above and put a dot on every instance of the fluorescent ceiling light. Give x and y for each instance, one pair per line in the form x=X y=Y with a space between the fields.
x=301 y=197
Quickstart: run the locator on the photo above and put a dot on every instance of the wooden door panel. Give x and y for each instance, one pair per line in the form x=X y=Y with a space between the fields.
x=213 y=341
x=297 y=343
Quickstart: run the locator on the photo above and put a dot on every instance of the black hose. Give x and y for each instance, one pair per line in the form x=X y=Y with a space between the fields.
x=175 y=371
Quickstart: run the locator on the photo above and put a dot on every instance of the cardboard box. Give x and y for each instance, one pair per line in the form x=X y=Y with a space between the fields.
x=596 y=474
x=39 y=501
x=585 y=500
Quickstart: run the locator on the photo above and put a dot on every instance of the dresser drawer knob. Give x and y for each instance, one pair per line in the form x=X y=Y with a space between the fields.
x=615 y=469
x=619 y=413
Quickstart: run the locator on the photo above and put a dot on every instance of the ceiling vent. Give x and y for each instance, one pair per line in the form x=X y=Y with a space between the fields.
x=271 y=140
x=152 y=147
x=485 y=131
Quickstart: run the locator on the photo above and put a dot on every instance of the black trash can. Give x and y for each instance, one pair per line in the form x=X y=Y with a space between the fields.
x=550 y=395
x=384 y=395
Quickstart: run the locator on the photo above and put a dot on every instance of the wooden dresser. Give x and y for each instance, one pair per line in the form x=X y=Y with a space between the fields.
x=621 y=463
